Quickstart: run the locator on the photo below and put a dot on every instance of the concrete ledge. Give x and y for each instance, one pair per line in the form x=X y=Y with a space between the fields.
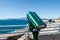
x=49 y=37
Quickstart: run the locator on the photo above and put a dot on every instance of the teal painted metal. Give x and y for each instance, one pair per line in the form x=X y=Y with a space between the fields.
x=35 y=24
x=35 y=33
x=35 y=20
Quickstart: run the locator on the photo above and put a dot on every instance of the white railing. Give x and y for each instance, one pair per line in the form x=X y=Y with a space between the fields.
x=11 y=25
x=53 y=27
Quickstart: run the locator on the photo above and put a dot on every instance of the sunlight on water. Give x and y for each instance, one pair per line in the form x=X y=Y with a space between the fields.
x=5 y=30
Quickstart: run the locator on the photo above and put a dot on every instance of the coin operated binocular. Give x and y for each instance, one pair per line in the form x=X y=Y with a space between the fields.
x=35 y=24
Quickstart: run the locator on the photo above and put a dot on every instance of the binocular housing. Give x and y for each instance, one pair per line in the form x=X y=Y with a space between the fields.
x=35 y=22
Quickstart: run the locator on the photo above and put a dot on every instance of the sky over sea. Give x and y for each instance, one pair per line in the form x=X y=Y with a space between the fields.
x=19 y=8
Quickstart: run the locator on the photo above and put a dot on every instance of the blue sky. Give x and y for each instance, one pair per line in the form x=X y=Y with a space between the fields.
x=19 y=8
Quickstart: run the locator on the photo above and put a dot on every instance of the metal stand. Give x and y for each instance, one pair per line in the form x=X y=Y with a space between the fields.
x=35 y=34
x=27 y=36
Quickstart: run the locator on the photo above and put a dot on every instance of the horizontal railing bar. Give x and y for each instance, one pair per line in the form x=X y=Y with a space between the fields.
x=11 y=25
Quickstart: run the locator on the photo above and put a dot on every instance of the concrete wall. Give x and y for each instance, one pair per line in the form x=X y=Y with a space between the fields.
x=49 y=37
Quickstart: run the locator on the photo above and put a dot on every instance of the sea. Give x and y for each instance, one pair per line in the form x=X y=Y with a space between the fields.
x=9 y=25
x=4 y=30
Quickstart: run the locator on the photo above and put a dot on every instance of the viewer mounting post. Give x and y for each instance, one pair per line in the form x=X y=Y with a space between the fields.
x=35 y=24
